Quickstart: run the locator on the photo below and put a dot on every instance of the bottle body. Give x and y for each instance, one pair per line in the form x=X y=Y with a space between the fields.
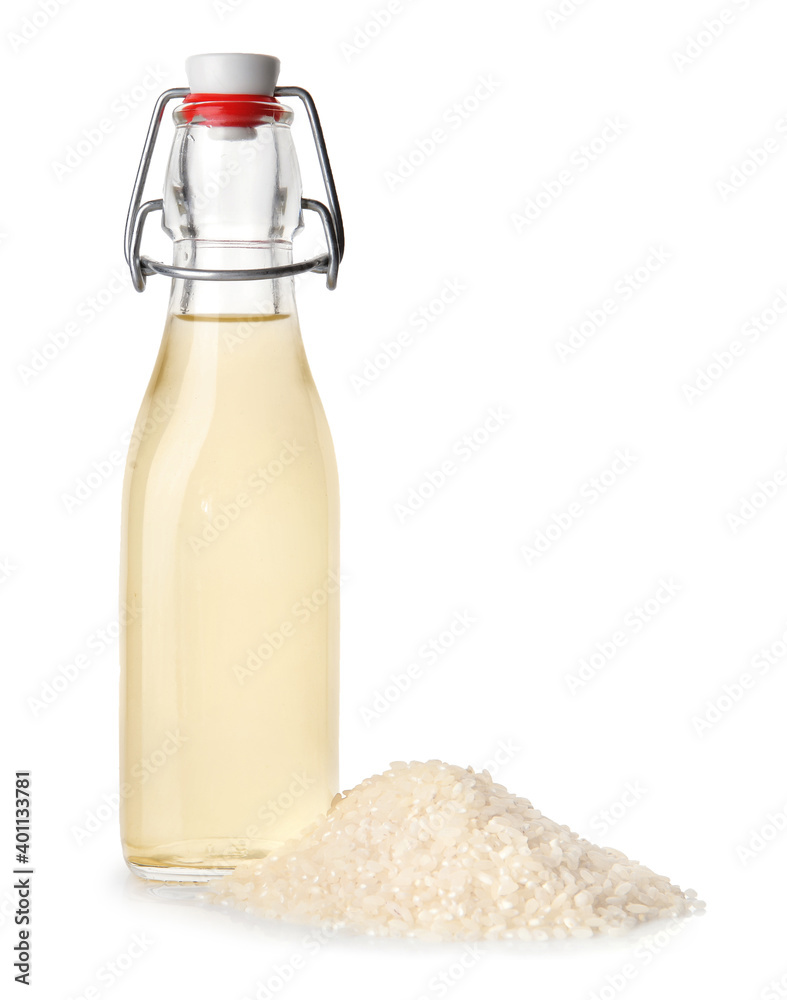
x=229 y=716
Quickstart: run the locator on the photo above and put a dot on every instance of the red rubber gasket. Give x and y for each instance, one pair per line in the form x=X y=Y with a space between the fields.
x=231 y=110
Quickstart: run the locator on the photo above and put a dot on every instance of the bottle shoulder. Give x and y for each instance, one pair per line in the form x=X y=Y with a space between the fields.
x=212 y=423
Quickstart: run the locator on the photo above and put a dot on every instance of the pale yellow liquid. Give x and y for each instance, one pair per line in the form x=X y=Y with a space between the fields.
x=222 y=760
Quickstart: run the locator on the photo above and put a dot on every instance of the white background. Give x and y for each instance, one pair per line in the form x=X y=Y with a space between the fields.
x=686 y=124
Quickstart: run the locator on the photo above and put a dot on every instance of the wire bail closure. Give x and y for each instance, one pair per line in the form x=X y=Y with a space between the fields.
x=331 y=217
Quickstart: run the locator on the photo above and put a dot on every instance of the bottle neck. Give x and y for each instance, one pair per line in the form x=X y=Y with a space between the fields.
x=267 y=297
x=232 y=201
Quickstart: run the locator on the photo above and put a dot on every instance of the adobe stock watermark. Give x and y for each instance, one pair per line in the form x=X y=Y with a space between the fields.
x=734 y=691
x=752 y=504
x=298 y=784
x=378 y=19
x=634 y=621
x=103 y=469
x=419 y=322
x=119 y=110
x=462 y=451
x=579 y=162
x=451 y=120
x=454 y=973
x=215 y=184
x=273 y=639
x=505 y=751
x=282 y=973
x=708 y=33
x=67 y=674
x=221 y=8
x=435 y=821
x=428 y=654
x=96 y=818
x=38 y=18
x=646 y=951
x=238 y=334
x=261 y=310
x=231 y=511
x=562 y=12
x=7 y=569
x=141 y=771
x=605 y=819
x=761 y=838
x=144 y=769
x=110 y=973
x=86 y=311
x=622 y=292
x=588 y=495
x=775 y=990
x=753 y=160
x=726 y=358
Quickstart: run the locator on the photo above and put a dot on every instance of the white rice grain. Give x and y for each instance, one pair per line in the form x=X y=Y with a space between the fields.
x=441 y=852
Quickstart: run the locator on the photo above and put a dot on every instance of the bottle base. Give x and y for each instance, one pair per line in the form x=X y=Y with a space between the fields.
x=171 y=873
x=194 y=860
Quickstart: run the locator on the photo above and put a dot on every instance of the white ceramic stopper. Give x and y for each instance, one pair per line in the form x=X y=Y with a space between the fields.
x=232 y=73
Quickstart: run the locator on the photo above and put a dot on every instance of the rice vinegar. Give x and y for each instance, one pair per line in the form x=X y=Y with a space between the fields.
x=231 y=535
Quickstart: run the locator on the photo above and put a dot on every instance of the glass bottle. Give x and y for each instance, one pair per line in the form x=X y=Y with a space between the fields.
x=229 y=570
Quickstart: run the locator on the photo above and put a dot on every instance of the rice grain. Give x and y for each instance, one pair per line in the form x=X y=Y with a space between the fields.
x=440 y=852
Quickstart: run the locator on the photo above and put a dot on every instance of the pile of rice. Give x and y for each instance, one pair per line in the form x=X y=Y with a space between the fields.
x=440 y=852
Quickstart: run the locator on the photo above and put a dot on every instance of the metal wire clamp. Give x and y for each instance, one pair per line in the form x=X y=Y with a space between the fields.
x=331 y=217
